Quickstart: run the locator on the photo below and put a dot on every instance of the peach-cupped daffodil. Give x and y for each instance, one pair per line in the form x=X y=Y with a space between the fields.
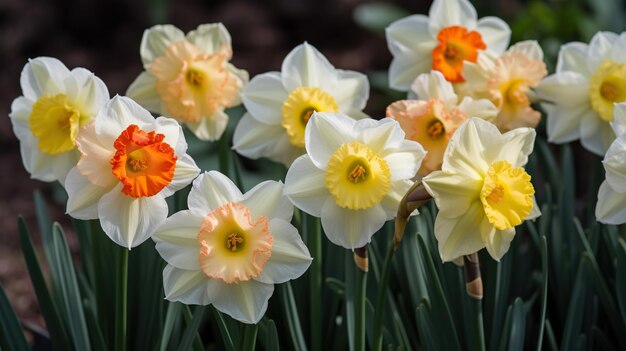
x=280 y=104
x=506 y=81
x=580 y=96
x=611 y=206
x=48 y=117
x=482 y=191
x=229 y=248
x=129 y=163
x=353 y=176
x=443 y=41
x=189 y=77
x=433 y=118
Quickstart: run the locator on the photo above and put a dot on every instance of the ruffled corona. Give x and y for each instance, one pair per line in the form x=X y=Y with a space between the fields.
x=456 y=45
x=233 y=248
x=607 y=87
x=298 y=108
x=55 y=122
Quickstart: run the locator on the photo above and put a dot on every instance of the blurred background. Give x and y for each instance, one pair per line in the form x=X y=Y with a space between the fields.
x=104 y=37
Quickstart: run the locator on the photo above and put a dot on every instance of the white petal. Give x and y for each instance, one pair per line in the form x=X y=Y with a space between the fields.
x=433 y=85
x=618 y=50
x=117 y=114
x=155 y=41
x=405 y=68
x=290 y=257
x=348 y=228
x=254 y=140
x=143 y=91
x=461 y=235
x=619 y=119
x=184 y=173
x=611 y=205
x=264 y=96
x=384 y=136
x=497 y=241
x=83 y=197
x=528 y=48
x=454 y=193
x=267 y=199
x=20 y=116
x=209 y=38
x=565 y=89
x=187 y=286
x=43 y=75
x=62 y=164
x=173 y=133
x=483 y=108
x=513 y=146
x=391 y=201
x=176 y=240
x=129 y=221
x=305 y=66
x=410 y=34
x=209 y=128
x=465 y=151
x=573 y=57
x=305 y=186
x=351 y=91
x=596 y=135
x=245 y=301
x=86 y=91
x=615 y=165
x=495 y=33
x=563 y=124
x=211 y=190
x=599 y=49
x=446 y=13
x=38 y=164
x=406 y=160
x=95 y=160
x=325 y=133
x=535 y=212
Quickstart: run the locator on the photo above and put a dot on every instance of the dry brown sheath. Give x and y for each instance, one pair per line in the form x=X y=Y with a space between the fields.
x=473 y=281
x=360 y=258
x=412 y=200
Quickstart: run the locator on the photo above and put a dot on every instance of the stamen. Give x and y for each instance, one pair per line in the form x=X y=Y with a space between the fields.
x=435 y=129
x=609 y=91
x=137 y=165
x=357 y=174
x=233 y=240
x=306 y=115
x=451 y=52
x=194 y=78
x=496 y=194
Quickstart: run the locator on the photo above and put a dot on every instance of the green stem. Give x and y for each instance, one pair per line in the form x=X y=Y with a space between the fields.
x=224 y=153
x=359 y=310
x=315 y=245
x=477 y=311
x=120 y=301
x=249 y=337
x=379 y=311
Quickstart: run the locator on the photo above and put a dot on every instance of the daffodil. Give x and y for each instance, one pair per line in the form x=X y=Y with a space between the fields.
x=353 y=176
x=129 y=163
x=432 y=119
x=443 y=41
x=280 y=104
x=482 y=190
x=189 y=77
x=229 y=248
x=580 y=96
x=506 y=81
x=50 y=115
x=611 y=206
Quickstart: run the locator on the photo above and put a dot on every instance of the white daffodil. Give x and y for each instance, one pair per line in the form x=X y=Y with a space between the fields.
x=433 y=118
x=482 y=191
x=229 y=248
x=48 y=117
x=129 y=163
x=443 y=41
x=353 y=176
x=188 y=77
x=506 y=81
x=611 y=206
x=580 y=96
x=280 y=104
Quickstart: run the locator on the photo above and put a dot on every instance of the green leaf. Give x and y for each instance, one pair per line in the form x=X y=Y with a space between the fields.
x=11 y=334
x=575 y=314
x=227 y=332
x=620 y=278
x=290 y=310
x=544 y=290
x=192 y=329
x=268 y=335
x=518 y=326
x=171 y=319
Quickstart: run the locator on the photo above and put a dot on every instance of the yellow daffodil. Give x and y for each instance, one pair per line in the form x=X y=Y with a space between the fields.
x=189 y=77
x=229 y=248
x=506 y=81
x=433 y=118
x=589 y=81
x=611 y=206
x=443 y=41
x=129 y=163
x=482 y=191
x=353 y=176
x=49 y=116
x=280 y=104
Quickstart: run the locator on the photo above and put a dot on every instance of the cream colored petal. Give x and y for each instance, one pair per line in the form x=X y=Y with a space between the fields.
x=351 y=91
x=563 y=124
x=454 y=193
x=446 y=13
x=305 y=186
x=325 y=133
x=211 y=190
x=210 y=38
x=465 y=151
x=391 y=201
x=565 y=89
x=513 y=146
x=245 y=301
x=495 y=33
x=116 y=115
x=264 y=96
x=155 y=41
x=619 y=119
x=62 y=164
x=611 y=205
x=38 y=164
x=305 y=66
x=209 y=128
x=186 y=286
x=176 y=240
x=351 y=229
x=433 y=85
x=243 y=78
x=406 y=67
x=43 y=75
x=83 y=196
x=461 y=235
x=596 y=135
x=410 y=34
x=267 y=199
x=94 y=163
x=528 y=48
x=615 y=165
x=130 y=221
x=290 y=257
x=599 y=49
x=185 y=172
x=573 y=57
x=405 y=160
x=385 y=135
x=86 y=91
x=20 y=116
x=618 y=50
x=483 y=108
x=535 y=212
x=173 y=133
x=496 y=241
x=143 y=91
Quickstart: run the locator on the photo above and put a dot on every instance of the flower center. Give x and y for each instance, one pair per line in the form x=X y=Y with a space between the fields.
x=195 y=78
x=456 y=44
x=435 y=129
x=357 y=177
x=55 y=122
x=607 y=87
x=232 y=247
x=143 y=163
x=506 y=195
x=298 y=108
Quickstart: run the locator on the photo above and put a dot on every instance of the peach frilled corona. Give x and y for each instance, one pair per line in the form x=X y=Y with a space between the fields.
x=506 y=81
x=129 y=163
x=450 y=36
x=189 y=77
x=229 y=248
x=353 y=176
x=280 y=104
x=482 y=190
x=432 y=119
x=47 y=119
